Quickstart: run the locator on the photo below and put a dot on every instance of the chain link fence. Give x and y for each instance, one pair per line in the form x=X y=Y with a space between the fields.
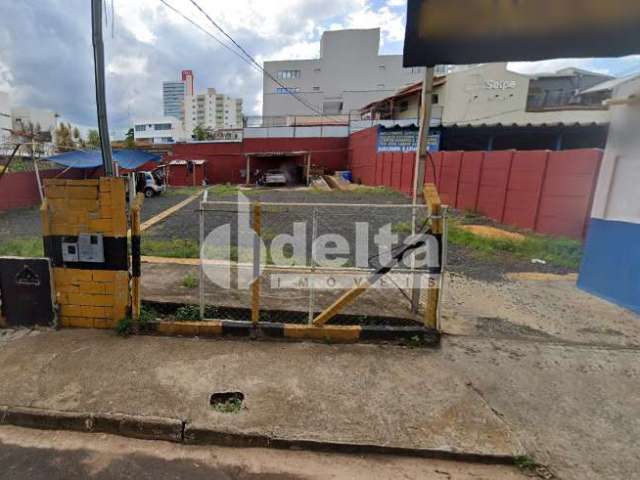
x=288 y=262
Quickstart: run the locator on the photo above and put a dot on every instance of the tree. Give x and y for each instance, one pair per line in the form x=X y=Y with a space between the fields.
x=130 y=139
x=63 y=138
x=93 y=139
x=199 y=133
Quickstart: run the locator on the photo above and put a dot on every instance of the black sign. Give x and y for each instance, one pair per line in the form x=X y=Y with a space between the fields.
x=442 y=32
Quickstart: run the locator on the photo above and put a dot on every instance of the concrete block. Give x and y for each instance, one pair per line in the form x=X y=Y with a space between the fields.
x=45 y=419
x=91 y=300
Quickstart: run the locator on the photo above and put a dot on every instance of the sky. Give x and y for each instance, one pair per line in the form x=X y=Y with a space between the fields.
x=46 y=58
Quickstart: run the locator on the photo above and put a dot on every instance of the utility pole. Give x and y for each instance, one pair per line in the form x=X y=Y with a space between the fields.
x=101 y=102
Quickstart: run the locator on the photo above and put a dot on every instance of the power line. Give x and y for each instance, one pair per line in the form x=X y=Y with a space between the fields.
x=254 y=61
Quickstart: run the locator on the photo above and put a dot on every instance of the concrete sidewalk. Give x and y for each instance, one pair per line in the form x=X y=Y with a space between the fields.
x=359 y=395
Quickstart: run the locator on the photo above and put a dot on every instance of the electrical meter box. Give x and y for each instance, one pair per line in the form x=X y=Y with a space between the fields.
x=86 y=247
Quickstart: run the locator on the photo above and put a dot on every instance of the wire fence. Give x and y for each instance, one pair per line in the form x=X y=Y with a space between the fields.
x=288 y=262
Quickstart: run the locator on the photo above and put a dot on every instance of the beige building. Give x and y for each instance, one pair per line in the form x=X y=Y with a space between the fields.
x=211 y=110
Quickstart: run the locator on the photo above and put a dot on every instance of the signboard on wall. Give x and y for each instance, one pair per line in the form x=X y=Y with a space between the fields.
x=231 y=135
x=404 y=140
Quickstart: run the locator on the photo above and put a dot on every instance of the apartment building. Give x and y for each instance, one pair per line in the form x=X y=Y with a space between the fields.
x=158 y=130
x=5 y=116
x=212 y=110
x=22 y=116
x=350 y=73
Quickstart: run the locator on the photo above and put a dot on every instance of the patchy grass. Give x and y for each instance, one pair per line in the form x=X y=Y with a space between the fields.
x=190 y=281
x=177 y=248
x=22 y=247
x=562 y=252
x=233 y=405
x=223 y=190
x=171 y=191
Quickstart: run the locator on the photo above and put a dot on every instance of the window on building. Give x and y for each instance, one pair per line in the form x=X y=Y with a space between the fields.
x=332 y=107
x=317 y=70
x=289 y=74
x=381 y=67
x=435 y=98
x=316 y=89
x=140 y=128
x=284 y=91
x=380 y=85
x=404 y=106
x=162 y=126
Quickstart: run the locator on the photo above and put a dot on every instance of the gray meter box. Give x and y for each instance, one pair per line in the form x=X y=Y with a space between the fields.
x=88 y=247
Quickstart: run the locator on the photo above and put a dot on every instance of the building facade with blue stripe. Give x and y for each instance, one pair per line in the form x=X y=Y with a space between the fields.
x=611 y=262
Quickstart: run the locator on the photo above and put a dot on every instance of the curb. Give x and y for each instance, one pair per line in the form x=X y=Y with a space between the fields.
x=179 y=431
x=285 y=331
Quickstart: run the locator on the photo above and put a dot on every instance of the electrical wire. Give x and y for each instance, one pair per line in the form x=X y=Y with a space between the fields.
x=245 y=56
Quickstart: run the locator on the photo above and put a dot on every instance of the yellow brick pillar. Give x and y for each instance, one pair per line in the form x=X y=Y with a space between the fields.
x=85 y=235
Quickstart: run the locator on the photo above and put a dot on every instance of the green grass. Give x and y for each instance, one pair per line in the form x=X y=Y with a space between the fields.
x=178 y=248
x=22 y=247
x=562 y=252
x=183 y=191
x=190 y=281
x=223 y=190
x=233 y=405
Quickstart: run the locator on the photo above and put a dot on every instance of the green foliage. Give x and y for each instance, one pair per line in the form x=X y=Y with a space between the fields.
x=187 y=191
x=190 y=281
x=201 y=133
x=401 y=228
x=147 y=315
x=222 y=190
x=130 y=139
x=125 y=327
x=188 y=313
x=22 y=247
x=414 y=342
x=233 y=405
x=524 y=462
x=176 y=248
x=562 y=252
x=93 y=139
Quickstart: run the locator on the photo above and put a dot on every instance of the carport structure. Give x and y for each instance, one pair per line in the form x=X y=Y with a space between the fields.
x=295 y=165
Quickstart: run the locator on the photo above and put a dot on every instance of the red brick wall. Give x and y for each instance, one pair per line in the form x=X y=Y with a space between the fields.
x=20 y=189
x=226 y=160
x=548 y=192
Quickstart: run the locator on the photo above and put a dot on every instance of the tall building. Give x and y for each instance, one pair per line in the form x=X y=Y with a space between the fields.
x=5 y=116
x=173 y=99
x=187 y=78
x=212 y=110
x=350 y=73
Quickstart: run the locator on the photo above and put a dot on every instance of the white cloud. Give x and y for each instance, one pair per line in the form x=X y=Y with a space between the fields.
x=549 y=66
x=128 y=65
x=396 y=3
x=391 y=23
x=297 y=51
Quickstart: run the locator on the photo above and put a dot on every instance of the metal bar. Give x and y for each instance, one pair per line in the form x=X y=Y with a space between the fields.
x=201 y=282
x=287 y=204
x=445 y=248
x=255 y=286
x=101 y=102
x=419 y=167
x=314 y=235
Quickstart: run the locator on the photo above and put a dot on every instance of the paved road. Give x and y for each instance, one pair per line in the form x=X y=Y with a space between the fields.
x=50 y=455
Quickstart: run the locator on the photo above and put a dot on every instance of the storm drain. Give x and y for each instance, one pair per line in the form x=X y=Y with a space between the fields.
x=227 y=402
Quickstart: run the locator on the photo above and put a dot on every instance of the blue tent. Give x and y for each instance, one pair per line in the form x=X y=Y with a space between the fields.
x=129 y=159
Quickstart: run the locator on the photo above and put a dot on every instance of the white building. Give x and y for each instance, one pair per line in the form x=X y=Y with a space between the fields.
x=23 y=116
x=173 y=93
x=611 y=259
x=349 y=74
x=158 y=130
x=5 y=116
x=212 y=110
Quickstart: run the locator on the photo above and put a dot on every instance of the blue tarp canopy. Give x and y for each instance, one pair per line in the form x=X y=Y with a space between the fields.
x=129 y=159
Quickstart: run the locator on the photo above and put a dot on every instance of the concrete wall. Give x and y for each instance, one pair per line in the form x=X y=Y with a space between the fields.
x=349 y=70
x=544 y=191
x=156 y=136
x=611 y=261
x=225 y=161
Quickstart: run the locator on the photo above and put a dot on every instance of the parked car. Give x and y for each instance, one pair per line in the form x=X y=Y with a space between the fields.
x=272 y=177
x=151 y=183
